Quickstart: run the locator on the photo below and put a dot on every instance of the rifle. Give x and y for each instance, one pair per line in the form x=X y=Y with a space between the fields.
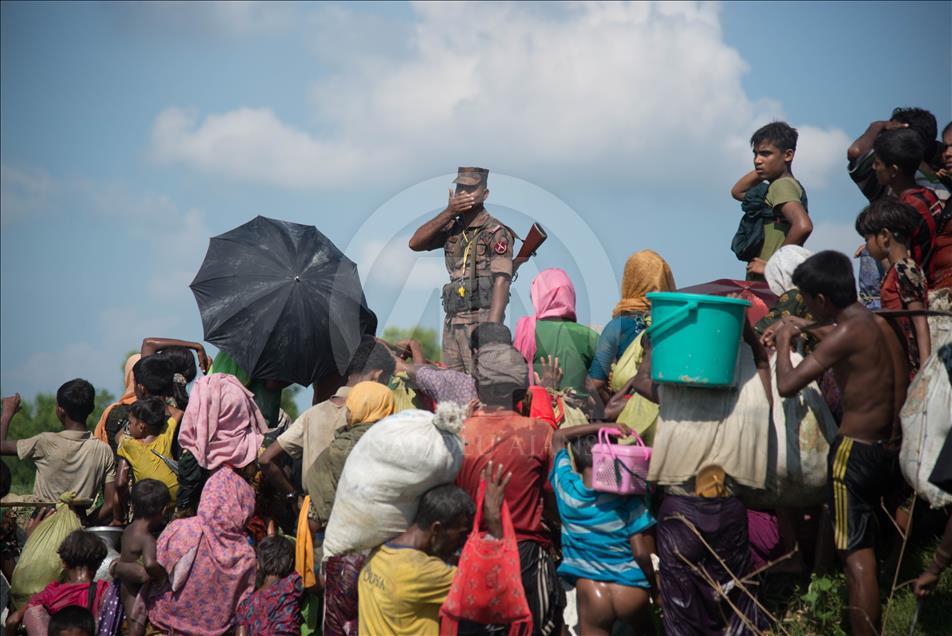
x=533 y=240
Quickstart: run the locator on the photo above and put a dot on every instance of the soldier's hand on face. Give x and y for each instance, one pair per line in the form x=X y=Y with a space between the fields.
x=460 y=203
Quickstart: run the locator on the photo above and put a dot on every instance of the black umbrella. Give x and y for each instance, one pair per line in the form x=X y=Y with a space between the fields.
x=282 y=300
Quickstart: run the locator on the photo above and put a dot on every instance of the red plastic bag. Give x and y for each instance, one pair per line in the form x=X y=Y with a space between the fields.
x=488 y=588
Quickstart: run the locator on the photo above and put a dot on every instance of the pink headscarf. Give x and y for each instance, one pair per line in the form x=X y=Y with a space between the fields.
x=211 y=566
x=553 y=296
x=222 y=424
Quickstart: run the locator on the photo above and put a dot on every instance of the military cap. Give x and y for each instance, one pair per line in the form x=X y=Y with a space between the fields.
x=471 y=176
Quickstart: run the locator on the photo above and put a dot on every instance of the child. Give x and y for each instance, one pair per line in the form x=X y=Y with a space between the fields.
x=868 y=363
x=81 y=553
x=600 y=534
x=70 y=460
x=774 y=147
x=150 y=503
x=72 y=621
x=146 y=447
x=898 y=155
x=275 y=608
x=887 y=225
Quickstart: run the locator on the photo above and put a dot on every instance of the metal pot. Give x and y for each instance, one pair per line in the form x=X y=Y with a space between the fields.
x=111 y=537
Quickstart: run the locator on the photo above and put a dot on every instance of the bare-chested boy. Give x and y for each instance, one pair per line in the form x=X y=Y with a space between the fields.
x=137 y=566
x=869 y=365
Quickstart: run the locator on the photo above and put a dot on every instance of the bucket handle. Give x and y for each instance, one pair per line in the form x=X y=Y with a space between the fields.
x=676 y=316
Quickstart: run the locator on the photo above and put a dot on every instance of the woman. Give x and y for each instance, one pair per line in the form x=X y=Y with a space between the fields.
x=222 y=426
x=779 y=274
x=112 y=419
x=210 y=562
x=367 y=403
x=552 y=330
x=645 y=272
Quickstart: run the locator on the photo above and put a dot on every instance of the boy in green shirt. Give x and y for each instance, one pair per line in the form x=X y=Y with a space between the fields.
x=774 y=146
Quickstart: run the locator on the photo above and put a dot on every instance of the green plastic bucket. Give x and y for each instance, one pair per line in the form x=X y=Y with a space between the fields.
x=695 y=338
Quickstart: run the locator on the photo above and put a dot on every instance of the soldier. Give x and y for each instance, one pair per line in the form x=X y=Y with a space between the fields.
x=478 y=252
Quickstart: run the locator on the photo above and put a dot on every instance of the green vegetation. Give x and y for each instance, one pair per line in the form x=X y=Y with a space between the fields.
x=821 y=609
x=37 y=417
x=428 y=339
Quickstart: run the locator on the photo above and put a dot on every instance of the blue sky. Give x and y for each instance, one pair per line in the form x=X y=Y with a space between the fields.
x=132 y=133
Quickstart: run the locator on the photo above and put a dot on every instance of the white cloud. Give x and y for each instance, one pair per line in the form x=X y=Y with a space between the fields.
x=590 y=91
x=253 y=144
x=821 y=155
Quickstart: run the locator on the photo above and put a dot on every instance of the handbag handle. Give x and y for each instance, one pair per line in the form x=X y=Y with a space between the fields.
x=605 y=431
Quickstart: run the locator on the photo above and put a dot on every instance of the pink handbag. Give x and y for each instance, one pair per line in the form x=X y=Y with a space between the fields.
x=621 y=470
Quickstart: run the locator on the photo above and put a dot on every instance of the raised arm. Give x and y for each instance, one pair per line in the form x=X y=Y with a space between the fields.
x=11 y=405
x=744 y=184
x=864 y=143
x=562 y=437
x=427 y=237
x=790 y=379
x=152 y=345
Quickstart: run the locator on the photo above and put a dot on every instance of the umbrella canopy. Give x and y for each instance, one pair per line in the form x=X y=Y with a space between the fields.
x=757 y=292
x=282 y=300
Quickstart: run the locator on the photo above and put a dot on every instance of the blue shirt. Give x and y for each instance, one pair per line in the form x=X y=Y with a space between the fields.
x=617 y=335
x=595 y=529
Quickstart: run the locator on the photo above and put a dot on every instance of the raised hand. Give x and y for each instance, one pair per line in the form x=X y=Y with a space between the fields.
x=496 y=484
x=460 y=203
x=551 y=373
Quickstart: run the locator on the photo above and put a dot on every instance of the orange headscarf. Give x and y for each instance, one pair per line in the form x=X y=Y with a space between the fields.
x=128 y=397
x=645 y=271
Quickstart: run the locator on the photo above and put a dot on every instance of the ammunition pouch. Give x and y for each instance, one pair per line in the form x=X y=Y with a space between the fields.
x=472 y=299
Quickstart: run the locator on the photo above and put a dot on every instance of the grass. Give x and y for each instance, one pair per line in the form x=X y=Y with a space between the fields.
x=821 y=607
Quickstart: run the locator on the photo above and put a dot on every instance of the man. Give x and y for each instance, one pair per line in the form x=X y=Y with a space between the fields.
x=71 y=460
x=405 y=581
x=313 y=431
x=774 y=146
x=496 y=434
x=869 y=365
x=478 y=253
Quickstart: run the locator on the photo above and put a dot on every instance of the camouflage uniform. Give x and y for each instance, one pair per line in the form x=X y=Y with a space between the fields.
x=474 y=256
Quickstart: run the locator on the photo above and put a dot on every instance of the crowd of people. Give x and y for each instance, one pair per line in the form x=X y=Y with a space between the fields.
x=223 y=502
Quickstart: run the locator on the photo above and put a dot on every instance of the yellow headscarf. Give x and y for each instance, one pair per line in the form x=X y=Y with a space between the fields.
x=369 y=402
x=645 y=271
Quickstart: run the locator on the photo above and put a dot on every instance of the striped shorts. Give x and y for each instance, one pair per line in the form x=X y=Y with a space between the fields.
x=859 y=476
